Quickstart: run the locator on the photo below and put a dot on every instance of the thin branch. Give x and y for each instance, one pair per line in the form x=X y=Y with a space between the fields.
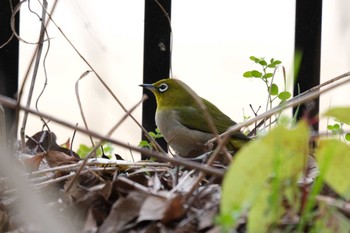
x=79 y=102
x=35 y=72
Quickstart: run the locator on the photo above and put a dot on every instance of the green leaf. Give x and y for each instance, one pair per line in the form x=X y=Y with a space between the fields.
x=268 y=75
x=330 y=127
x=263 y=62
x=347 y=137
x=248 y=74
x=152 y=134
x=256 y=74
x=278 y=157
x=252 y=58
x=271 y=60
x=336 y=126
x=273 y=89
x=83 y=150
x=334 y=162
x=342 y=114
x=144 y=143
x=277 y=62
x=284 y=95
x=274 y=64
x=108 y=148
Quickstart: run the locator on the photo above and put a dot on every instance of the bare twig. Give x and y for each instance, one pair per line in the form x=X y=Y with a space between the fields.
x=35 y=72
x=79 y=102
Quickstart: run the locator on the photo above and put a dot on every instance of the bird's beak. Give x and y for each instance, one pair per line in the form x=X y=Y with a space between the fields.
x=148 y=86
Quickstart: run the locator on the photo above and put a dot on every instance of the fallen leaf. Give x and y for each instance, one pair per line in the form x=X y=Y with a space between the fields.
x=123 y=211
x=175 y=209
x=31 y=162
x=153 y=208
x=56 y=158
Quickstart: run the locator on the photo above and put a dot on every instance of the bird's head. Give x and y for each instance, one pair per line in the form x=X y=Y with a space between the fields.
x=170 y=93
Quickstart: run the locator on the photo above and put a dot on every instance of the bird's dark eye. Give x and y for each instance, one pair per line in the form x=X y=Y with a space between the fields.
x=163 y=87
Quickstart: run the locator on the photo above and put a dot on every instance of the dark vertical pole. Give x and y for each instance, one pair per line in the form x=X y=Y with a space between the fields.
x=156 y=64
x=8 y=59
x=308 y=25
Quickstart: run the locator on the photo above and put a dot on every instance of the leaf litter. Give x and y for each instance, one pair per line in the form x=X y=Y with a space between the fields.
x=113 y=195
x=109 y=195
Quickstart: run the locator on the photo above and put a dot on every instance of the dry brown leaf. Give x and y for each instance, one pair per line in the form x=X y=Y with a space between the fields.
x=124 y=210
x=153 y=208
x=31 y=163
x=56 y=158
x=161 y=208
x=175 y=209
x=66 y=144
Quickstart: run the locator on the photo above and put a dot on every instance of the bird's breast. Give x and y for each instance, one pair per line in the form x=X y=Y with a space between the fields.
x=187 y=142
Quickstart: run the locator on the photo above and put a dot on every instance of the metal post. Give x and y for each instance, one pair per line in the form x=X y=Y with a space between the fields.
x=8 y=60
x=156 y=65
x=308 y=25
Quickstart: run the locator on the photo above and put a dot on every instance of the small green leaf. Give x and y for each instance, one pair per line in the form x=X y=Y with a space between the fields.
x=267 y=75
x=273 y=89
x=347 y=137
x=336 y=126
x=248 y=74
x=144 y=143
x=263 y=62
x=153 y=135
x=330 y=127
x=277 y=62
x=256 y=74
x=252 y=58
x=271 y=60
x=274 y=64
x=83 y=150
x=284 y=95
x=158 y=135
x=342 y=114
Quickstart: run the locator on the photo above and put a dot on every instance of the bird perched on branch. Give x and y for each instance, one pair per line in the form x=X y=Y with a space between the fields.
x=183 y=122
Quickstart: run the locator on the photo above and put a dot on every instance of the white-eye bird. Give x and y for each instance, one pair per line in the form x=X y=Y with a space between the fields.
x=182 y=122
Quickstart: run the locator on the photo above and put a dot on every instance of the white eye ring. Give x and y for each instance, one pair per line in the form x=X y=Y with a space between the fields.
x=163 y=87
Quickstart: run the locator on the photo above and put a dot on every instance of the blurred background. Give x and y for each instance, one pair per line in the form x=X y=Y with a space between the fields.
x=211 y=49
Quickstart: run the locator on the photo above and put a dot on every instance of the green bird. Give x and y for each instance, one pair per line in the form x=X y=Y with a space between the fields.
x=182 y=122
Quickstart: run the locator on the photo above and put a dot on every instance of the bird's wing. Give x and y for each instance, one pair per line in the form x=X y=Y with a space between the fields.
x=221 y=121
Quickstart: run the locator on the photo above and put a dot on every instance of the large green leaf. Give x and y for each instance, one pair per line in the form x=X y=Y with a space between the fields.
x=260 y=172
x=334 y=161
x=342 y=114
